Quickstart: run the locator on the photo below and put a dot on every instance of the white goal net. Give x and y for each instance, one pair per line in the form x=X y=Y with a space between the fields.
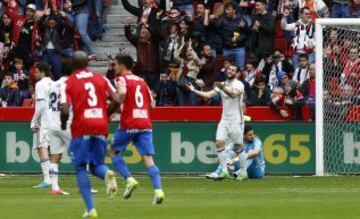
x=337 y=96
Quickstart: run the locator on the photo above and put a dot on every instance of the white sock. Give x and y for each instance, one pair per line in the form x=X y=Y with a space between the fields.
x=242 y=159
x=45 y=167
x=222 y=158
x=54 y=178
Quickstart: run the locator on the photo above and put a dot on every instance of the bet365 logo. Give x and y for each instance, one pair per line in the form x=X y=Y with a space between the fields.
x=351 y=149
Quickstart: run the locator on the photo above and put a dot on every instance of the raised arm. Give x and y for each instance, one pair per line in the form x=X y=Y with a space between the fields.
x=130 y=8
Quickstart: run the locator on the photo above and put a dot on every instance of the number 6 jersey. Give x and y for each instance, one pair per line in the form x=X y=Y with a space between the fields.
x=135 y=109
x=87 y=92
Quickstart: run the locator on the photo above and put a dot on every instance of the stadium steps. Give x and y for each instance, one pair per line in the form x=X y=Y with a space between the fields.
x=114 y=37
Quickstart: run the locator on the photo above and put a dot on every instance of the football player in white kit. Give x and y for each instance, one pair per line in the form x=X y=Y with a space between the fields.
x=231 y=125
x=40 y=120
x=59 y=139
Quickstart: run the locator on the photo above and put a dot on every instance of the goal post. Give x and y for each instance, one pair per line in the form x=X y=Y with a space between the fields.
x=324 y=129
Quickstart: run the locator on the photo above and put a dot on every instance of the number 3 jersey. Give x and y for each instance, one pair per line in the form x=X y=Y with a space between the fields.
x=54 y=104
x=135 y=108
x=87 y=92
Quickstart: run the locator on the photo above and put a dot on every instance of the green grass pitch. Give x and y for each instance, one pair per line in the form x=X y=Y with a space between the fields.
x=191 y=197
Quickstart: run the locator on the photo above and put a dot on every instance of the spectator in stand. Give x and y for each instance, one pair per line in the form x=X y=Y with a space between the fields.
x=355 y=9
x=66 y=36
x=308 y=90
x=274 y=64
x=282 y=79
x=165 y=91
x=234 y=31
x=185 y=27
x=80 y=14
x=25 y=34
x=21 y=77
x=250 y=72
x=229 y=60
x=260 y=93
x=201 y=22
x=147 y=13
x=207 y=71
x=172 y=43
x=304 y=35
x=6 y=37
x=173 y=16
x=302 y=72
x=317 y=8
x=263 y=31
x=96 y=26
x=188 y=72
x=185 y=5
x=240 y=75
x=246 y=9
x=10 y=95
x=340 y=9
x=147 y=45
x=51 y=27
x=277 y=103
x=335 y=54
x=294 y=99
x=12 y=6
x=352 y=66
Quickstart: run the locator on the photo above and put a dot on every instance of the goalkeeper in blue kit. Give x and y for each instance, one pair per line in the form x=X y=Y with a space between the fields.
x=255 y=158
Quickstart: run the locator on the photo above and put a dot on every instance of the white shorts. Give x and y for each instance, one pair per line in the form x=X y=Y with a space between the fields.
x=41 y=138
x=230 y=132
x=59 y=140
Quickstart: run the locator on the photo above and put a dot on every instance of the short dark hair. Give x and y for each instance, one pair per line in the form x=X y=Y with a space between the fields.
x=304 y=55
x=206 y=44
x=259 y=80
x=125 y=60
x=43 y=67
x=303 y=9
x=231 y=4
x=247 y=129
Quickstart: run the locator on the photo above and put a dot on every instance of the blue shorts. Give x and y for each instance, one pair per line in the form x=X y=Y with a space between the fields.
x=143 y=141
x=88 y=150
x=255 y=172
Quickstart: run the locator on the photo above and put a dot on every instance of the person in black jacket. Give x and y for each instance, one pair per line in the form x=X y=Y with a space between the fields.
x=146 y=14
x=234 y=32
x=274 y=64
x=263 y=31
x=10 y=95
x=51 y=28
x=165 y=91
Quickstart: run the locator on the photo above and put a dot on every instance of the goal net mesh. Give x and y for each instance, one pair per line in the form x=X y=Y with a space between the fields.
x=341 y=102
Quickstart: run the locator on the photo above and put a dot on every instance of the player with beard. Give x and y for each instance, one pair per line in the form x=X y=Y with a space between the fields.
x=231 y=125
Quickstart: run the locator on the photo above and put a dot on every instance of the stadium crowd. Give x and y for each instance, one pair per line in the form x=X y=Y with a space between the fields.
x=272 y=43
